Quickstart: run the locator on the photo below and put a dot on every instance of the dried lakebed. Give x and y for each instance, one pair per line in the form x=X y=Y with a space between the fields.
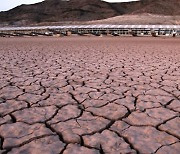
x=81 y=95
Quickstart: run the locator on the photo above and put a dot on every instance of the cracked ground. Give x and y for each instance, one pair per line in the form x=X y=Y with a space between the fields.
x=89 y=95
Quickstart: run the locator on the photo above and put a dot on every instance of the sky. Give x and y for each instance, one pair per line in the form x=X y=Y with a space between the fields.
x=9 y=4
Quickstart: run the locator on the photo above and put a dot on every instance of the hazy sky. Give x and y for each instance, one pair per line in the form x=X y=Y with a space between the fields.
x=9 y=4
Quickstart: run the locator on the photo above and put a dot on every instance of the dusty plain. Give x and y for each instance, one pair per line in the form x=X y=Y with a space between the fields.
x=90 y=95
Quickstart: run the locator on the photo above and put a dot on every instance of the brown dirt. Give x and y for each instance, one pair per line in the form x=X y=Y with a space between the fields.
x=139 y=19
x=89 y=95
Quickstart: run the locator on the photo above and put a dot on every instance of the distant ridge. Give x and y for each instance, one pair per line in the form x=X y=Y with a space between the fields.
x=84 y=10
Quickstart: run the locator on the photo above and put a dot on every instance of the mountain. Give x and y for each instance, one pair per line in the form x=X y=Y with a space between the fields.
x=84 y=10
x=160 y=7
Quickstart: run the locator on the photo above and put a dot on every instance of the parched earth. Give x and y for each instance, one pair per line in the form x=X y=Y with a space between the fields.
x=90 y=95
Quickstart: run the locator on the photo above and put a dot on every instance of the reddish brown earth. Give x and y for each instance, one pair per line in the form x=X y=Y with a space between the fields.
x=89 y=95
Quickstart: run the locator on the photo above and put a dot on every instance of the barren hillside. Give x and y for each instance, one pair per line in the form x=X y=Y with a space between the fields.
x=50 y=11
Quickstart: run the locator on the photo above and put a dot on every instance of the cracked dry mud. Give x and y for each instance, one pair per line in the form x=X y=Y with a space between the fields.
x=89 y=95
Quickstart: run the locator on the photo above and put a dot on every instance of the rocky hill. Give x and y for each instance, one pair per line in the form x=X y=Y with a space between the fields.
x=158 y=7
x=84 y=10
